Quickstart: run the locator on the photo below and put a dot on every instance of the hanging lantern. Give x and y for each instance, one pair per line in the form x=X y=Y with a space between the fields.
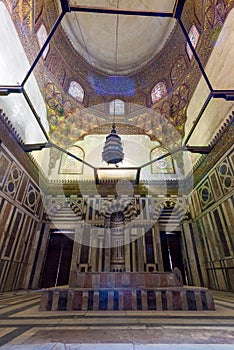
x=113 y=149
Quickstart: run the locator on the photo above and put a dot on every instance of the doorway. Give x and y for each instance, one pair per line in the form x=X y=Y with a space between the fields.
x=171 y=252
x=58 y=260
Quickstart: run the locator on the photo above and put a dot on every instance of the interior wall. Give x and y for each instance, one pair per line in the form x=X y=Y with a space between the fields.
x=21 y=212
x=207 y=239
x=209 y=236
x=138 y=238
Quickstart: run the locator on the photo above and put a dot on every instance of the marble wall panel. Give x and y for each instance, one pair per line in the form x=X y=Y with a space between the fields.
x=216 y=223
x=19 y=218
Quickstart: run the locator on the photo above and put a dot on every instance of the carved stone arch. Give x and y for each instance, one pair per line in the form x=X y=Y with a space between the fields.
x=158 y=207
x=178 y=205
x=54 y=205
x=76 y=207
x=126 y=206
x=115 y=208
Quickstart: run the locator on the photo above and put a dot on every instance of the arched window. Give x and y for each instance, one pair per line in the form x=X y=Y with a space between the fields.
x=163 y=166
x=117 y=107
x=68 y=164
x=193 y=36
x=41 y=37
x=158 y=91
x=76 y=91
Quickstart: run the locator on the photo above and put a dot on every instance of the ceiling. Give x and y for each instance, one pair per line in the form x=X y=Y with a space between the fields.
x=119 y=44
x=64 y=121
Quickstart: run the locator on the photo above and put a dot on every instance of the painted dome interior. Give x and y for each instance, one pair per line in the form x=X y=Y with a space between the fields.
x=157 y=69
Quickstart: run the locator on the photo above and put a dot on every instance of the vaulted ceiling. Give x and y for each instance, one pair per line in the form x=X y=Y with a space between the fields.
x=119 y=44
x=117 y=49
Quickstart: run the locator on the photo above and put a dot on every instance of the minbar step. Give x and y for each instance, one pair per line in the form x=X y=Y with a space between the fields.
x=176 y=298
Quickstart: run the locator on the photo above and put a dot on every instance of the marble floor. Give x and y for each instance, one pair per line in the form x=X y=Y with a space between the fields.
x=24 y=327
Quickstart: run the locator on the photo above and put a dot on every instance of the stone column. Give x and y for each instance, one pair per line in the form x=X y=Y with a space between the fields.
x=202 y=257
x=158 y=248
x=140 y=253
x=127 y=250
x=192 y=268
x=76 y=254
x=133 y=245
x=107 y=250
x=154 y=246
x=148 y=207
x=41 y=256
x=93 y=247
x=100 y=245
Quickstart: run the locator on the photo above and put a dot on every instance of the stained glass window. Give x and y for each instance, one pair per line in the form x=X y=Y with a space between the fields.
x=162 y=166
x=76 y=91
x=117 y=107
x=41 y=37
x=193 y=36
x=68 y=164
x=158 y=91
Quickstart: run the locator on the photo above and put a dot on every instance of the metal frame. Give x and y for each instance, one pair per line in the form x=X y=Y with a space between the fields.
x=228 y=95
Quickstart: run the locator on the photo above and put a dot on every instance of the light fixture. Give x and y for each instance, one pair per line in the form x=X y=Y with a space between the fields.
x=113 y=149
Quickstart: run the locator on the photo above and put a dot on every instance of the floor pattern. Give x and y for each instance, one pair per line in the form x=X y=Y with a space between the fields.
x=21 y=324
